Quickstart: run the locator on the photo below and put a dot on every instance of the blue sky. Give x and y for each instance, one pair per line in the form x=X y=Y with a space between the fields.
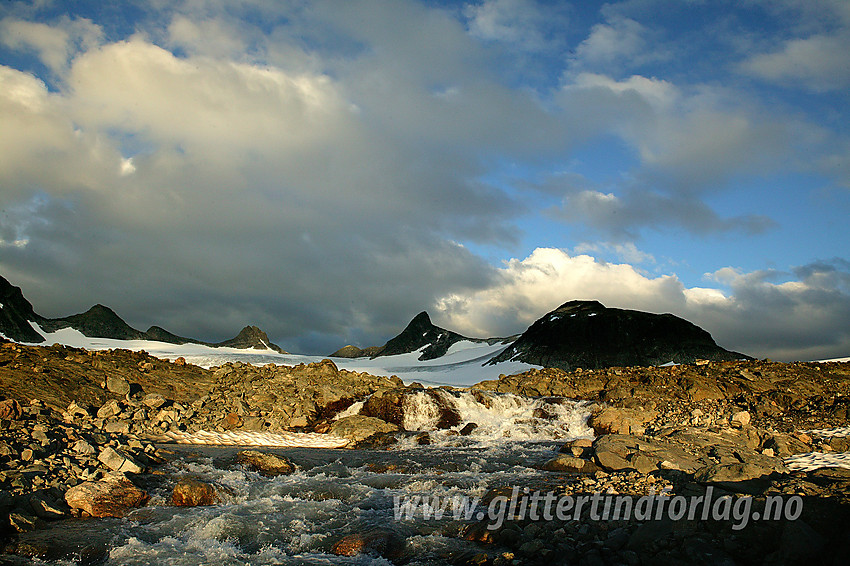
x=326 y=170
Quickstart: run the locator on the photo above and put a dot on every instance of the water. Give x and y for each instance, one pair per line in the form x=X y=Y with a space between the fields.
x=297 y=519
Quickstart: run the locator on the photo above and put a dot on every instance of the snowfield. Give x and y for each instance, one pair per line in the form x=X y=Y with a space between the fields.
x=462 y=365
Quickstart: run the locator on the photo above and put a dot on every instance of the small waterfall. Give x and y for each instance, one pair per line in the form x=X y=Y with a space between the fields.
x=497 y=416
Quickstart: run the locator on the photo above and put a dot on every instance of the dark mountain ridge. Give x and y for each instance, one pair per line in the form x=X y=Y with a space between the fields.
x=588 y=335
x=419 y=334
x=16 y=314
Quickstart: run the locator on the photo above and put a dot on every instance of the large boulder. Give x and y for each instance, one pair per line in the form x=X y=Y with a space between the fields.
x=112 y=496
x=613 y=420
x=359 y=427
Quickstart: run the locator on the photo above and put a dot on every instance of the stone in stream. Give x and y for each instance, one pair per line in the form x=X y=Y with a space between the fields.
x=265 y=463
x=190 y=492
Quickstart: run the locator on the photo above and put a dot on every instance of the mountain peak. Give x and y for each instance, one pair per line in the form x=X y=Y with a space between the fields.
x=420 y=333
x=589 y=335
x=251 y=337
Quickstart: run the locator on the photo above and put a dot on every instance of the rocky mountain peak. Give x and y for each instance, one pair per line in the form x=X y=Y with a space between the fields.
x=421 y=333
x=15 y=314
x=251 y=337
x=589 y=335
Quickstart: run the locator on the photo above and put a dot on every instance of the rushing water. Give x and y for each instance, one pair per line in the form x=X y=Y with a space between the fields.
x=296 y=519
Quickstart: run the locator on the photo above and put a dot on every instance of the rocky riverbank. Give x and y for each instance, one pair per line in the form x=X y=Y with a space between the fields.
x=76 y=427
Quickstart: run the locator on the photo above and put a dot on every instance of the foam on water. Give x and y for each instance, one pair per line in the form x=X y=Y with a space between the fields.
x=499 y=416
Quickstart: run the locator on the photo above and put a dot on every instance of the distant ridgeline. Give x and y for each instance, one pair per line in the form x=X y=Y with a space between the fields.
x=16 y=313
x=582 y=334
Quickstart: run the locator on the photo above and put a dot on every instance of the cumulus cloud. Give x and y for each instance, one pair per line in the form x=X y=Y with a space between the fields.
x=788 y=316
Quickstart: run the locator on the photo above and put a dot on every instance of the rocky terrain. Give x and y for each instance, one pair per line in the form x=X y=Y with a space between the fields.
x=76 y=430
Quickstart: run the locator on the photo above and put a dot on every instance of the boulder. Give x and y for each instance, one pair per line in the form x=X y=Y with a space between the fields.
x=117 y=384
x=358 y=427
x=117 y=461
x=265 y=463
x=190 y=492
x=111 y=497
x=570 y=464
x=154 y=400
x=613 y=420
x=376 y=541
x=109 y=409
x=740 y=471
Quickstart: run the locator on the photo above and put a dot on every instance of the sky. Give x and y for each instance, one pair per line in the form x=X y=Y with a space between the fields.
x=328 y=169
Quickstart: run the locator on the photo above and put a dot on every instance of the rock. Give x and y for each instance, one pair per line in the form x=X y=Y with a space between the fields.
x=620 y=452
x=570 y=464
x=467 y=429
x=742 y=418
x=117 y=427
x=44 y=509
x=358 y=427
x=784 y=445
x=190 y=492
x=84 y=448
x=111 y=497
x=109 y=409
x=117 y=384
x=10 y=409
x=377 y=541
x=741 y=471
x=266 y=463
x=154 y=400
x=117 y=461
x=613 y=420
x=385 y=405
x=22 y=522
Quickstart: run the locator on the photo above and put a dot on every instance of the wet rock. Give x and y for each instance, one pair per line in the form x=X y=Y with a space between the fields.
x=358 y=427
x=111 y=497
x=385 y=405
x=265 y=463
x=190 y=492
x=467 y=429
x=380 y=542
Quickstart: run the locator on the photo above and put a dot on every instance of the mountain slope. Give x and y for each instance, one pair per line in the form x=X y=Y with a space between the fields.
x=588 y=335
x=422 y=333
x=17 y=314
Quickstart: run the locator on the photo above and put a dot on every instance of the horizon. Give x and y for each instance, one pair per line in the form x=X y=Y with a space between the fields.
x=326 y=170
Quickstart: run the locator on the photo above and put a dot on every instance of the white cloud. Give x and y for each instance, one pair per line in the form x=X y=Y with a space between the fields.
x=523 y=24
x=801 y=318
x=817 y=63
x=54 y=44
